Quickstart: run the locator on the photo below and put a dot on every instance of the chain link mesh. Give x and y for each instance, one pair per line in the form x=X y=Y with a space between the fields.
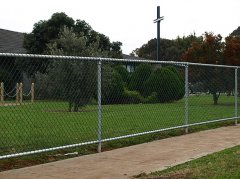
x=64 y=109
x=52 y=102
x=211 y=93
x=136 y=106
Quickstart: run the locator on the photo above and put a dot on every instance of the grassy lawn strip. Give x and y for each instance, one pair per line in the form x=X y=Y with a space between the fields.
x=24 y=161
x=47 y=124
x=223 y=164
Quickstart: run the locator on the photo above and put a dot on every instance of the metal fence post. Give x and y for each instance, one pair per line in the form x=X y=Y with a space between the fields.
x=99 y=92
x=235 y=95
x=186 y=98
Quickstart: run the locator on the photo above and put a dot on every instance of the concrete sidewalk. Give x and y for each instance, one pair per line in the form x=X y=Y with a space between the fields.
x=129 y=161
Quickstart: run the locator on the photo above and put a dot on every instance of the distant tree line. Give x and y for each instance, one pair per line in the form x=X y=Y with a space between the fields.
x=76 y=81
x=71 y=80
x=208 y=48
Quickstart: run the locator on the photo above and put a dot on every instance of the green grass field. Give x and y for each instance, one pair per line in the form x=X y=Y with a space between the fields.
x=224 y=164
x=47 y=124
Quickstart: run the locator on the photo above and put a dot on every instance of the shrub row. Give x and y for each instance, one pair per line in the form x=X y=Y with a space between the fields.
x=145 y=85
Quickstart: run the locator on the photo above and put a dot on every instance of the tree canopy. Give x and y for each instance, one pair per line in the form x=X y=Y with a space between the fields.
x=231 y=50
x=71 y=80
x=236 y=32
x=213 y=50
x=46 y=31
x=207 y=51
x=169 y=49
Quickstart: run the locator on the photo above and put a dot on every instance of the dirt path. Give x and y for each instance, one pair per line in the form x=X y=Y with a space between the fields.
x=129 y=161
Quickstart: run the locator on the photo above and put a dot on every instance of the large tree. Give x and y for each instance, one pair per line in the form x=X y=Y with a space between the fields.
x=231 y=55
x=232 y=50
x=169 y=49
x=149 y=50
x=236 y=32
x=75 y=80
x=46 y=31
x=209 y=51
x=72 y=80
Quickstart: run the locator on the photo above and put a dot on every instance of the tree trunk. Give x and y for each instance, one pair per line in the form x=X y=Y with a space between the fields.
x=75 y=108
x=70 y=107
x=229 y=93
x=215 y=98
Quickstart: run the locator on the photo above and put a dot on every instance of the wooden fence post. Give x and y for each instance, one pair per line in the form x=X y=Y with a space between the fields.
x=2 y=92
x=17 y=93
x=32 y=92
x=21 y=93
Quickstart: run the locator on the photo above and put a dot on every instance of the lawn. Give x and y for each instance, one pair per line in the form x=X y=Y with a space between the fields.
x=224 y=164
x=48 y=124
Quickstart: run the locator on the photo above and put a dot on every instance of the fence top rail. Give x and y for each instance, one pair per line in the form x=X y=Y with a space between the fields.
x=112 y=59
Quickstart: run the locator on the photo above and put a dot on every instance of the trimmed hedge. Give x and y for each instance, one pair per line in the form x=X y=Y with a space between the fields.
x=112 y=86
x=152 y=98
x=139 y=76
x=123 y=72
x=8 y=79
x=132 y=97
x=174 y=70
x=167 y=84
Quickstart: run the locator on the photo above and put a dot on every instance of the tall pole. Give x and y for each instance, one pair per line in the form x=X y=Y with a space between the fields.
x=158 y=34
x=158 y=20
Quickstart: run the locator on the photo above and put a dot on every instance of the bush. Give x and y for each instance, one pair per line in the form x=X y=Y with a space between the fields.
x=166 y=84
x=112 y=86
x=8 y=79
x=132 y=97
x=174 y=70
x=139 y=76
x=124 y=73
x=70 y=80
x=152 y=98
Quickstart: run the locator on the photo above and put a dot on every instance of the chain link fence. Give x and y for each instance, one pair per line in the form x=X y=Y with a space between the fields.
x=55 y=102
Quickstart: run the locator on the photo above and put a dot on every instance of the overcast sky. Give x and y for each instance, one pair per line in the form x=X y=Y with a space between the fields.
x=128 y=21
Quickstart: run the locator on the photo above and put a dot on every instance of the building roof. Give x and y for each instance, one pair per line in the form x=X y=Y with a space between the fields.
x=132 y=57
x=11 y=42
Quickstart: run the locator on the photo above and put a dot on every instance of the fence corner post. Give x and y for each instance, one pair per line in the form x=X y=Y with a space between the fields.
x=236 y=95
x=99 y=92
x=186 y=98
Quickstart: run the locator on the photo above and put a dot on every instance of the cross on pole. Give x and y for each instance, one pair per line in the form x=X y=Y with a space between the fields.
x=158 y=20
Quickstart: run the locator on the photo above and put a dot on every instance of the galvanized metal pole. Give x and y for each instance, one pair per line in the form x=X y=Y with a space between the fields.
x=186 y=98
x=158 y=33
x=235 y=94
x=99 y=92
